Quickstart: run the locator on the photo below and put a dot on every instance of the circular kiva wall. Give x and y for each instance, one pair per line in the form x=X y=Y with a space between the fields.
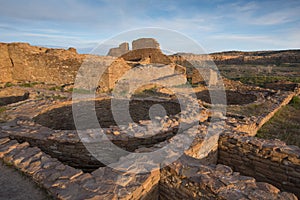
x=61 y=118
x=232 y=97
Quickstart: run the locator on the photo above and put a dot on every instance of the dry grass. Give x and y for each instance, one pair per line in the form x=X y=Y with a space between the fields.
x=250 y=110
x=3 y=115
x=285 y=125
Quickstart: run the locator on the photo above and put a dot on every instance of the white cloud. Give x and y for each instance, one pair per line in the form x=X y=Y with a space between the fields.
x=262 y=12
x=278 y=17
x=79 y=23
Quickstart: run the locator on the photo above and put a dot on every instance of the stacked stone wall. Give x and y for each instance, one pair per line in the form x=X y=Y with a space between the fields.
x=270 y=161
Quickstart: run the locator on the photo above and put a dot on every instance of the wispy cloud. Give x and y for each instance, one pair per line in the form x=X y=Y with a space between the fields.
x=288 y=40
x=236 y=23
x=263 y=12
x=239 y=6
x=277 y=17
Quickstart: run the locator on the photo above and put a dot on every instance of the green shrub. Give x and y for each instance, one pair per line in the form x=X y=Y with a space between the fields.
x=56 y=88
x=70 y=90
x=82 y=91
x=2 y=109
x=58 y=97
x=30 y=84
x=295 y=102
x=186 y=85
x=262 y=80
x=8 y=84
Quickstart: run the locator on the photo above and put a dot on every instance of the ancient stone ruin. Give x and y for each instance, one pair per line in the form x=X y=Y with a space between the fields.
x=142 y=43
x=118 y=51
x=145 y=43
x=39 y=137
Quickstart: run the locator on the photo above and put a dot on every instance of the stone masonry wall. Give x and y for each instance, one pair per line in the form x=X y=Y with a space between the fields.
x=184 y=179
x=65 y=182
x=270 y=161
x=67 y=146
x=144 y=43
x=279 y=100
x=118 y=51
x=22 y=62
x=188 y=179
x=154 y=56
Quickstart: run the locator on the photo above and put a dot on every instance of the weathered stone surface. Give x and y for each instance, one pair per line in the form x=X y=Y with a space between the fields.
x=29 y=159
x=8 y=157
x=207 y=76
x=145 y=43
x=119 y=51
x=267 y=187
x=269 y=161
x=38 y=62
x=138 y=78
x=6 y=64
x=4 y=140
x=7 y=147
x=216 y=182
x=33 y=167
x=232 y=194
x=287 y=196
x=59 y=66
x=153 y=56
x=112 y=74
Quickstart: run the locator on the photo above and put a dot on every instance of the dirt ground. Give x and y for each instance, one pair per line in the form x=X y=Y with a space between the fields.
x=16 y=186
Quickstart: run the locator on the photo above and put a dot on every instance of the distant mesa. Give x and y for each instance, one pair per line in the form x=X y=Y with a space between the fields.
x=141 y=43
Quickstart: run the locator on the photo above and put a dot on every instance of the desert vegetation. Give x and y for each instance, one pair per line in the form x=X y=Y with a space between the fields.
x=285 y=125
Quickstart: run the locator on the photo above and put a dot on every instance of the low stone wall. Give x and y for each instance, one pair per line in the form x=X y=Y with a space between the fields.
x=184 y=179
x=271 y=161
x=68 y=148
x=280 y=99
x=13 y=99
x=188 y=179
x=65 y=182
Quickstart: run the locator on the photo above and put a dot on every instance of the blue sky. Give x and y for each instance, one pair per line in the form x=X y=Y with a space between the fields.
x=217 y=25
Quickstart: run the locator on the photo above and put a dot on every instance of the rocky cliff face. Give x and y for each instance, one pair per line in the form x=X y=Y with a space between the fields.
x=22 y=62
x=5 y=64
